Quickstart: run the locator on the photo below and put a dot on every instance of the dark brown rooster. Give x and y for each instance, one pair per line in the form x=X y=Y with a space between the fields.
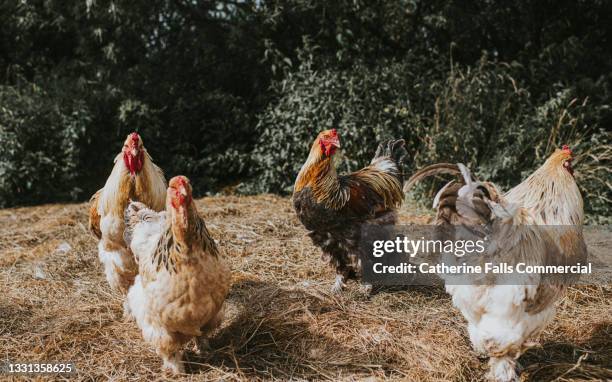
x=333 y=207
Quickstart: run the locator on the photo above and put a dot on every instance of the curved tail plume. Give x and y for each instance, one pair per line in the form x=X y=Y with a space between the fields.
x=434 y=169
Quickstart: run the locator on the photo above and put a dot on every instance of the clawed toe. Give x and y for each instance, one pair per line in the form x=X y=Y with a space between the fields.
x=174 y=364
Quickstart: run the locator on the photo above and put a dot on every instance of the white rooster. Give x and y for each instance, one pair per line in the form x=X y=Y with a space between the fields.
x=503 y=320
x=134 y=177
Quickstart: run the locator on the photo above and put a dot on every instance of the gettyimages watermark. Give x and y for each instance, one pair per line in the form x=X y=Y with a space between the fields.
x=502 y=254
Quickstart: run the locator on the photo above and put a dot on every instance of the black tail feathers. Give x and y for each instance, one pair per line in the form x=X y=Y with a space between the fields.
x=393 y=148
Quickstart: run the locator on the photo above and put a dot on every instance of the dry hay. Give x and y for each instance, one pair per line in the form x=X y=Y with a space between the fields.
x=282 y=323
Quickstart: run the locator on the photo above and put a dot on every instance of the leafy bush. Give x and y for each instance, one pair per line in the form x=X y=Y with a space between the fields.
x=480 y=116
x=226 y=90
x=202 y=136
x=365 y=105
x=39 y=145
x=487 y=118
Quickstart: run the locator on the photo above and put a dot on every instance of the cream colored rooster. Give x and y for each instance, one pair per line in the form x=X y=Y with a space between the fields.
x=134 y=177
x=503 y=320
x=182 y=281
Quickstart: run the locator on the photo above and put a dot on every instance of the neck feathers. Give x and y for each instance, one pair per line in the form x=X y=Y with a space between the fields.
x=551 y=195
x=190 y=233
x=147 y=186
x=150 y=185
x=320 y=175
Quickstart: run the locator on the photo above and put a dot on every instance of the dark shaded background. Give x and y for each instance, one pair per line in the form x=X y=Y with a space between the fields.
x=232 y=93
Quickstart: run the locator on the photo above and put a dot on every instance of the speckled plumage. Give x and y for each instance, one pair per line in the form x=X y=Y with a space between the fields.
x=183 y=280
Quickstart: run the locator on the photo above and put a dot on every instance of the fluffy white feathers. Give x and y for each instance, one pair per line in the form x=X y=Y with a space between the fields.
x=183 y=280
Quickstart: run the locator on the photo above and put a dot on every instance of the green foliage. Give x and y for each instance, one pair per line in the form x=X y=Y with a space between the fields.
x=365 y=105
x=39 y=145
x=487 y=118
x=481 y=116
x=233 y=92
x=186 y=75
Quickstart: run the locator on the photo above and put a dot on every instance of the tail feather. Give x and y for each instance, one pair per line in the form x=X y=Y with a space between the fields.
x=478 y=202
x=441 y=193
x=431 y=170
x=471 y=198
x=395 y=150
x=94 y=216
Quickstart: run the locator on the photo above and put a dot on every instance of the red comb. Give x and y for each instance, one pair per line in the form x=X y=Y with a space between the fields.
x=135 y=137
x=179 y=180
x=566 y=148
x=334 y=132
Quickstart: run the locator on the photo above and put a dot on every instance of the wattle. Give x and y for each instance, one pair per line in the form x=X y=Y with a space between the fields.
x=133 y=164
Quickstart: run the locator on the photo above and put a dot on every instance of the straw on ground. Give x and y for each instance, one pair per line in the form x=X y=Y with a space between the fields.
x=282 y=323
